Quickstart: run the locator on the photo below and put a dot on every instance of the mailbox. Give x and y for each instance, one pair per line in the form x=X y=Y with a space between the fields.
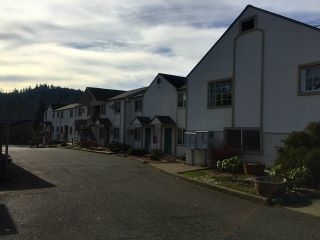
x=190 y=140
x=204 y=139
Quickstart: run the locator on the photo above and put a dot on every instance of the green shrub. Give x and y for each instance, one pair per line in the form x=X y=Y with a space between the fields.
x=301 y=150
x=299 y=177
x=156 y=154
x=118 y=147
x=233 y=164
x=137 y=151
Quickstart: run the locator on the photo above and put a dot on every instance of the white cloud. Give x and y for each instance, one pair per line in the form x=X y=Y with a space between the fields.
x=115 y=44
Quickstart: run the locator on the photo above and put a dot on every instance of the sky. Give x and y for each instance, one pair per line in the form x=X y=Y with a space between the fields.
x=118 y=44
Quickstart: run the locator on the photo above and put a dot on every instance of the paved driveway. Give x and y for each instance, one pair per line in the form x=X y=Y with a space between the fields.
x=66 y=194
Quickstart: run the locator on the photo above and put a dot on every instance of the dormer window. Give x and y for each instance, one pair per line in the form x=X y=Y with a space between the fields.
x=247 y=24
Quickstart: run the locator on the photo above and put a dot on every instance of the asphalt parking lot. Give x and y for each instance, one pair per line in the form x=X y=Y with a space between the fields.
x=67 y=194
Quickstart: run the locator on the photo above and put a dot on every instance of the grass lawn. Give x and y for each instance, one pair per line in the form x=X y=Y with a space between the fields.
x=239 y=182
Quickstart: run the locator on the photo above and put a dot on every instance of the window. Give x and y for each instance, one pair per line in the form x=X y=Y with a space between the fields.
x=79 y=112
x=57 y=114
x=116 y=133
x=61 y=114
x=57 y=129
x=247 y=24
x=45 y=115
x=138 y=107
x=117 y=107
x=71 y=113
x=90 y=110
x=180 y=136
x=70 y=130
x=182 y=99
x=220 y=93
x=103 y=108
x=310 y=79
x=138 y=134
x=53 y=114
x=61 y=129
x=243 y=139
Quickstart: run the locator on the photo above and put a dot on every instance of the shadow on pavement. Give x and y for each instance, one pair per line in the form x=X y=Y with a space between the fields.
x=21 y=179
x=6 y=223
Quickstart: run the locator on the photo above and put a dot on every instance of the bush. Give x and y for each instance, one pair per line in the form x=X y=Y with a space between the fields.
x=233 y=164
x=137 y=151
x=118 y=147
x=156 y=154
x=301 y=150
x=299 y=176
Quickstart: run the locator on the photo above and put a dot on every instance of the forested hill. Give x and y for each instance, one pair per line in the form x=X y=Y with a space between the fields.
x=30 y=103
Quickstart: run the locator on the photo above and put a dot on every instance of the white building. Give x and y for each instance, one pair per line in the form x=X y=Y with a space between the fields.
x=94 y=124
x=259 y=82
x=162 y=122
x=121 y=111
x=59 y=122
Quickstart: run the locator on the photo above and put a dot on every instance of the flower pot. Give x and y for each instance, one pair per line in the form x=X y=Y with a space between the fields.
x=254 y=168
x=270 y=187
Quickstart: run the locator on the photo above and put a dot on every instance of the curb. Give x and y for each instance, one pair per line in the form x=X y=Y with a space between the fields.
x=239 y=194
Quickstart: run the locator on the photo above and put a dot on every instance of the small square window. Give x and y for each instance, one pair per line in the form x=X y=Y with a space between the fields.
x=310 y=79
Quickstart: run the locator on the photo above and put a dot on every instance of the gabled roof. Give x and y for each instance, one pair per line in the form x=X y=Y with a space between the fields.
x=164 y=119
x=176 y=81
x=55 y=106
x=102 y=94
x=144 y=120
x=130 y=93
x=74 y=105
x=235 y=21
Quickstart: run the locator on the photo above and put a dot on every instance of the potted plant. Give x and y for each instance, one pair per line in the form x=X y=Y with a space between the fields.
x=270 y=187
x=254 y=168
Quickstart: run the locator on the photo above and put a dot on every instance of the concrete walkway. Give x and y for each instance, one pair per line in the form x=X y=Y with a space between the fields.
x=310 y=206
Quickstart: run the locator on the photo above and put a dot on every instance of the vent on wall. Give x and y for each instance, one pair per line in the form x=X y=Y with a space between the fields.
x=247 y=24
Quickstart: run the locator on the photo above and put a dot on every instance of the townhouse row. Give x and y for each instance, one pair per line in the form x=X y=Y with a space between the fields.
x=152 y=117
x=259 y=82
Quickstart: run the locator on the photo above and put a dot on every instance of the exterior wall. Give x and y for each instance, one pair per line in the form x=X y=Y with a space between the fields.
x=161 y=99
x=264 y=65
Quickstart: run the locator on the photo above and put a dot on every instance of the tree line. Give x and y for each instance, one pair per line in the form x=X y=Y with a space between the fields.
x=30 y=104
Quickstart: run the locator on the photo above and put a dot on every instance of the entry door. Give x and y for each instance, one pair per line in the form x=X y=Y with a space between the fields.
x=168 y=141
x=147 y=138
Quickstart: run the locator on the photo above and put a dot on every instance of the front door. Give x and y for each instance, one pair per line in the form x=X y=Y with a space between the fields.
x=167 y=141
x=147 y=138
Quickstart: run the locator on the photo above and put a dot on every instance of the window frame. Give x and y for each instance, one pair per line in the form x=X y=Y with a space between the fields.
x=184 y=99
x=217 y=82
x=242 y=147
x=138 y=134
x=117 y=107
x=103 y=107
x=137 y=109
x=301 y=81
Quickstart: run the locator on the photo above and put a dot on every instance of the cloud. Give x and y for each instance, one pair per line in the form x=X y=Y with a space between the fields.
x=115 y=44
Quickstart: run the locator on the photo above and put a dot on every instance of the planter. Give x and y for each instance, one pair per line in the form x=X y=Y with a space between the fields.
x=270 y=187
x=254 y=168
